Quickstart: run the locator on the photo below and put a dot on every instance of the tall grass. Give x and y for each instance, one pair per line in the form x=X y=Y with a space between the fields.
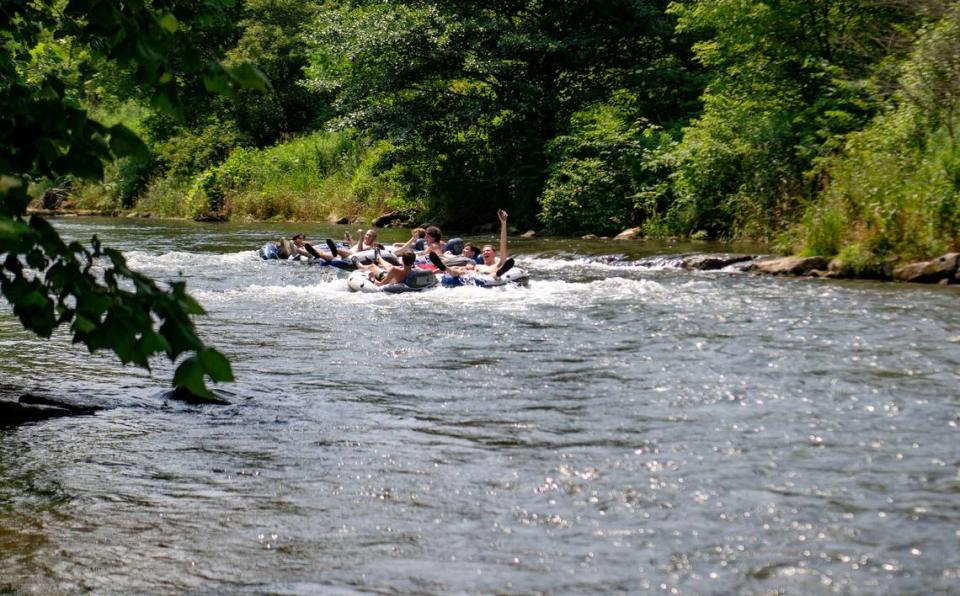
x=319 y=176
x=893 y=193
x=895 y=189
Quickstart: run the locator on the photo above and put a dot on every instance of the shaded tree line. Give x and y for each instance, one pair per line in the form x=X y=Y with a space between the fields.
x=715 y=118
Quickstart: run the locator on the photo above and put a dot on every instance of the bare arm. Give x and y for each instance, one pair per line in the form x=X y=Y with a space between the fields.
x=502 y=215
x=408 y=245
x=394 y=277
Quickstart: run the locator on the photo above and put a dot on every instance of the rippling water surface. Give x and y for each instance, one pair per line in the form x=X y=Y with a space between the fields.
x=609 y=429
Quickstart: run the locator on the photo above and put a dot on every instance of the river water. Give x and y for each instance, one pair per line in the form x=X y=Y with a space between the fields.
x=609 y=429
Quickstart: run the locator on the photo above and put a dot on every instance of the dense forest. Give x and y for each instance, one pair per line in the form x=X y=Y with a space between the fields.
x=823 y=126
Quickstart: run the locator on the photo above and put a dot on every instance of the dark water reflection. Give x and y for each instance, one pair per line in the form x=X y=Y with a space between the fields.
x=609 y=429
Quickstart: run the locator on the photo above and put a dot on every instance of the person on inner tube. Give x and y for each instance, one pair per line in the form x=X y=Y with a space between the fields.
x=367 y=241
x=299 y=248
x=432 y=243
x=394 y=274
x=491 y=264
x=471 y=251
x=417 y=242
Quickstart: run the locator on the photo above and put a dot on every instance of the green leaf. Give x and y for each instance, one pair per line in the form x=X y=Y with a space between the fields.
x=216 y=365
x=13 y=231
x=124 y=142
x=80 y=162
x=168 y=22
x=190 y=375
x=165 y=100
x=83 y=325
x=249 y=76
x=218 y=81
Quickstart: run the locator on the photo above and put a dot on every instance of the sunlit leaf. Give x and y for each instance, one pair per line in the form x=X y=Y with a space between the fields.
x=168 y=22
x=190 y=375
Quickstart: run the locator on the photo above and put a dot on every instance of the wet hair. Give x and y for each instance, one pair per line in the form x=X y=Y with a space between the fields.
x=433 y=232
x=408 y=258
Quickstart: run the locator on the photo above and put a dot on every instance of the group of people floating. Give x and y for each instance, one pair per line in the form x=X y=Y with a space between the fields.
x=459 y=262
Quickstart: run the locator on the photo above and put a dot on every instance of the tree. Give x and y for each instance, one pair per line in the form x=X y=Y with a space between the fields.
x=43 y=132
x=272 y=38
x=788 y=79
x=471 y=93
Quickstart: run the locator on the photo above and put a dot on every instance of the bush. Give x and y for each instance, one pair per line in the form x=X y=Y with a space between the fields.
x=189 y=153
x=896 y=187
x=605 y=173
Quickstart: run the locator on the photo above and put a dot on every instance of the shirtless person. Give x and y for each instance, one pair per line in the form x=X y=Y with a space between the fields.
x=298 y=248
x=395 y=274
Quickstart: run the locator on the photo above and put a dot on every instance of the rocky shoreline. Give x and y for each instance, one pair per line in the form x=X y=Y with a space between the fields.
x=943 y=270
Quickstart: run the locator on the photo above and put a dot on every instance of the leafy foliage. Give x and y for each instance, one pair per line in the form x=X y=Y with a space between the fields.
x=271 y=37
x=787 y=82
x=894 y=192
x=310 y=177
x=43 y=132
x=469 y=94
x=604 y=173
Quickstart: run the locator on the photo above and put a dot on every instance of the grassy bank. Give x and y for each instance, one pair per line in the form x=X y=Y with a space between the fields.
x=892 y=194
x=316 y=177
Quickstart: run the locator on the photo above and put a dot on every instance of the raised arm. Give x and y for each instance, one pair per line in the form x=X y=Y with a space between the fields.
x=408 y=245
x=502 y=215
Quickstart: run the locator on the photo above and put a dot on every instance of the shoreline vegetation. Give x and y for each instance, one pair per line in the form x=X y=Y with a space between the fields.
x=942 y=270
x=821 y=128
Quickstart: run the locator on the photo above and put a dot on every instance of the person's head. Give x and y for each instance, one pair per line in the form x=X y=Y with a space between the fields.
x=488 y=254
x=408 y=259
x=433 y=234
x=470 y=250
x=370 y=237
x=419 y=233
x=298 y=239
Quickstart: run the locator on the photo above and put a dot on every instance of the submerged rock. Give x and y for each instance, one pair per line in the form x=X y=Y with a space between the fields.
x=713 y=262
x=185 y=395
x=33 y=408
x=39 y=400
x=15 y=414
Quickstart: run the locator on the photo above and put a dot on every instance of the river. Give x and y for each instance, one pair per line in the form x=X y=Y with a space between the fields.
x=609 y=429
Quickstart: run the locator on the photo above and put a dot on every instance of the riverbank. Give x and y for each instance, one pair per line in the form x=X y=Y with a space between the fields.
x=944 y=269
